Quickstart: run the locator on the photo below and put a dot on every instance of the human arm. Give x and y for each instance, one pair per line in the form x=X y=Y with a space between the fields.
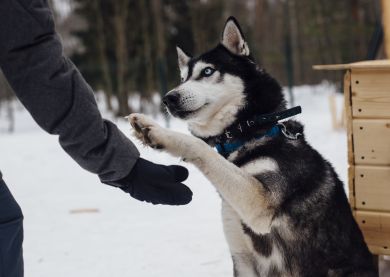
x=59 y=99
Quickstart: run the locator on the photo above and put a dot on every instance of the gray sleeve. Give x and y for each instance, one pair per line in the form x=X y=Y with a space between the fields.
x=55 y=93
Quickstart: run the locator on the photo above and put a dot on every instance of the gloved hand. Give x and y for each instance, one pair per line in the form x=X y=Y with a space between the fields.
x=156 y=184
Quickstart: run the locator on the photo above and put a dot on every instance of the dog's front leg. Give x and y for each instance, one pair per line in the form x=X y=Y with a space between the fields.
x=241 y=190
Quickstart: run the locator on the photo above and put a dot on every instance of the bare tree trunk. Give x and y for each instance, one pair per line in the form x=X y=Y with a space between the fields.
x=196 y=24
x=159 y=29
x=260 y=26
x=161 y=48
x=297 y=41
x=358 y=30
x=120 y=20
x=102 y=55
x=149 y=84
x=324 y=22
x=323 y=49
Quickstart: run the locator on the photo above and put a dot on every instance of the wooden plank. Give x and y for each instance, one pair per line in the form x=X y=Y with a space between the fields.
x=351 y=187
x=348 y=115
x=332 y=66
x=348 y=112
x=373 y=221
x=362 y=65
x=370 y=93
x=372 y=188
x=376 y=230
x=381 y=239
x=371 y=65
x=386 y=25
x=379 y=250
x=371 y=141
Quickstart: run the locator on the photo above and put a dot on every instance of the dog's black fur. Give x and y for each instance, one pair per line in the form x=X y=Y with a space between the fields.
x=327 y=236
x=326 y=239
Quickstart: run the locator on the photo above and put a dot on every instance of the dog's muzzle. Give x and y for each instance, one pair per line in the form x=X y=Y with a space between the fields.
x=173 y=101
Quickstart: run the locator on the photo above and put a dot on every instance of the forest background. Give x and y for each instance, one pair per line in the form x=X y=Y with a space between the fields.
x=126 y=48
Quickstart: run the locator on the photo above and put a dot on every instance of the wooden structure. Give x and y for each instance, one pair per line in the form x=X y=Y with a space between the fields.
x=367 y=104
x=386 y=25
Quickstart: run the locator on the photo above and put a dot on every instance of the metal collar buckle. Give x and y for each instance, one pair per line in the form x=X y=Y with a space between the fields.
x=287 y=133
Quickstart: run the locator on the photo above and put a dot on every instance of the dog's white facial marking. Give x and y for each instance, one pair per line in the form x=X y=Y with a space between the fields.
x=196 y=72
x=198 y=67
x=184 y=73
x=260 y=166
x=182 y=58
x=215 y=98
x=224 y=98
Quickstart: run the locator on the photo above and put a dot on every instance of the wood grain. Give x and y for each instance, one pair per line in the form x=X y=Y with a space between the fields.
x=348 y=115
x=371 y=141
x=362 y=65
x=376 y=230
x=370 y=93
x=372 y=188
x=351 y=187
x=385 y=5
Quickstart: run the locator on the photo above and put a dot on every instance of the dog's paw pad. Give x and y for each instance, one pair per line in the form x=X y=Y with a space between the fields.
x=145 y=129
x=141 y=121
x=136 y=127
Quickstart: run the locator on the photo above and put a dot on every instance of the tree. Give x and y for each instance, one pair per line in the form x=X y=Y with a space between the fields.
x=128 y=46
x=120 y=27
x=102 y=55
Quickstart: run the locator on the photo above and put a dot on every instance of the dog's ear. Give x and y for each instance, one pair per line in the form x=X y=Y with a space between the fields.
x=233 y=38
x=182 y=57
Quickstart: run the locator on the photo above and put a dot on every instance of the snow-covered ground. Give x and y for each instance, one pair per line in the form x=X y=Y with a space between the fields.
x=126 y=237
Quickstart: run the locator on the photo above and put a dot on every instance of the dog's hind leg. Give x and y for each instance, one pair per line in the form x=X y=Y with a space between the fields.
x=244 y=264
x=245 y=194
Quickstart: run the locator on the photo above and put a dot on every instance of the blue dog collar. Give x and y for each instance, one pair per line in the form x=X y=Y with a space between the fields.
x=227 y=148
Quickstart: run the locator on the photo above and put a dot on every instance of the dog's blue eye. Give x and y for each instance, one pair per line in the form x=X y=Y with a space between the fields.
x=208 y=71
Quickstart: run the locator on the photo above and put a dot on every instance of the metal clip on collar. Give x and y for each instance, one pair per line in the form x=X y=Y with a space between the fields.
x=287 y=133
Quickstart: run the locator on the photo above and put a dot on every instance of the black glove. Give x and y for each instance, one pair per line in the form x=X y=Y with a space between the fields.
x=156 y=184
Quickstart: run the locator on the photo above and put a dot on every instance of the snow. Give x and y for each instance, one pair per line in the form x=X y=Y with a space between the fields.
x=126 y=237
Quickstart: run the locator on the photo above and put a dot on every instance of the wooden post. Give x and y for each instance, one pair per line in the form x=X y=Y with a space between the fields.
x=386 y=26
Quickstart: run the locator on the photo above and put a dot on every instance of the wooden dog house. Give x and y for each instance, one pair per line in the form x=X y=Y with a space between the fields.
x=367 y=105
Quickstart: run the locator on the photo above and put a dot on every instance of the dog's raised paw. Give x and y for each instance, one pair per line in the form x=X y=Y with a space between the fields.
x=141 y=121
x=144 y=127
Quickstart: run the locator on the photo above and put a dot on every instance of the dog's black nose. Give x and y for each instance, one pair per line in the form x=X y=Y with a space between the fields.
x=171 y=98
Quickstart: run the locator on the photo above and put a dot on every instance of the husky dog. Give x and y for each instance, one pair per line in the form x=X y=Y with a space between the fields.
x=284 y=209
